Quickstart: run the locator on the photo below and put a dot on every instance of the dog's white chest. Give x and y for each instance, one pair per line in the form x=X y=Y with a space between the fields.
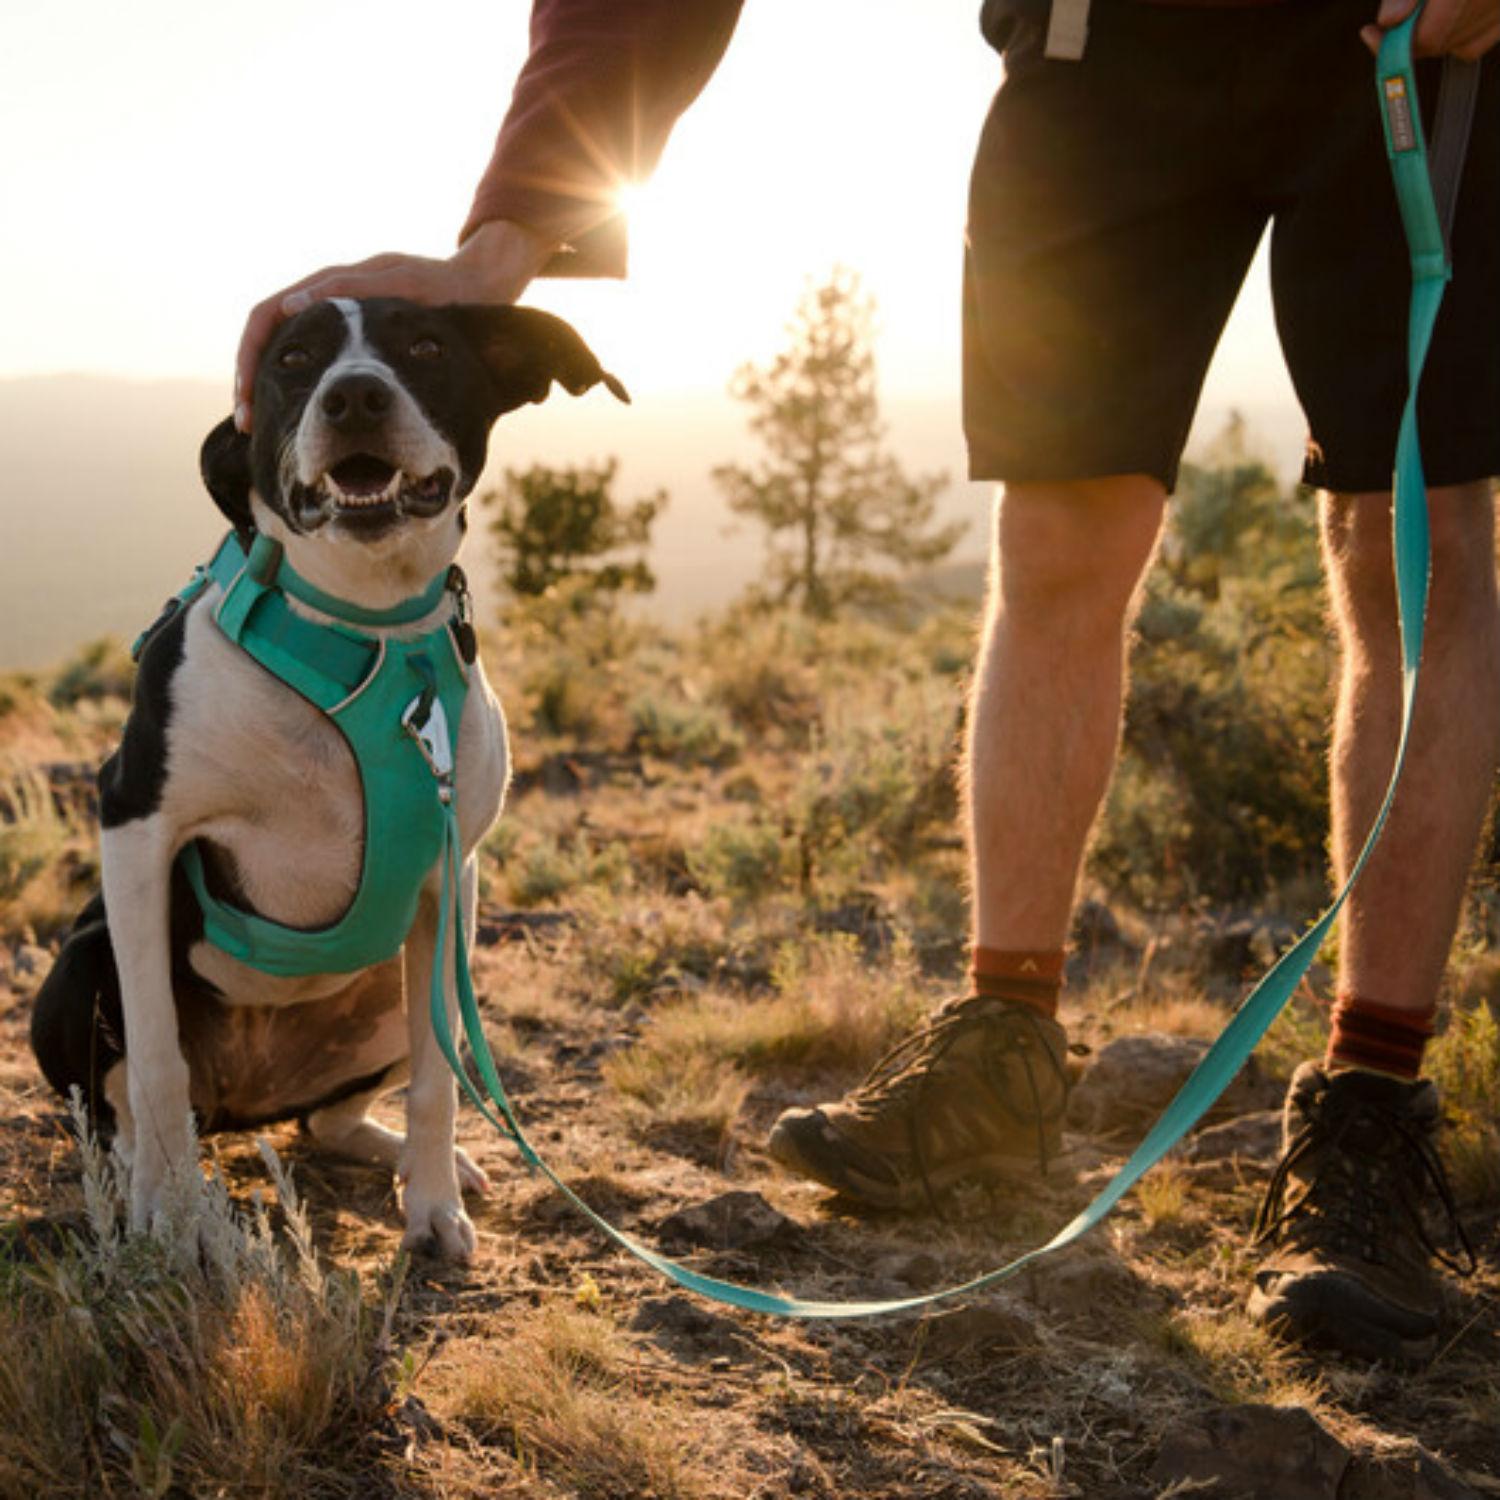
x=269 y=780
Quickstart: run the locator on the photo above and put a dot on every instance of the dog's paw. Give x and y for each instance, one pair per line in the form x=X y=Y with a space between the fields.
x=161 y=1190
x=472 y=1178
x=439 y=1228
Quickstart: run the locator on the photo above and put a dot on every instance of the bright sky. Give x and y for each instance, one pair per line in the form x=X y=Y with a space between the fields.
x=171 y=161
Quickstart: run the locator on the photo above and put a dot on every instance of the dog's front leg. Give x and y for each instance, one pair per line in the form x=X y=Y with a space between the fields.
x=429 y=1166
x=137 y=870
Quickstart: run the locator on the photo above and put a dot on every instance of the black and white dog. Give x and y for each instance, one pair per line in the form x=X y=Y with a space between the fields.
x=371 y=426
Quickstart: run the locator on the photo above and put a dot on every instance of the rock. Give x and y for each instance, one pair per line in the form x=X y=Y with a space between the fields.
x=1247 y=945
x=911 y=1268
x=686 y=1325
x=1080 y=1284
x=997 y=1325
x=1253 y=1452
x=413 y=1415
x=1096 y=943
x=1417 y=1476
x=732 y=1221
x=1133 y=1078
x=675 y=1314
x=1255 y=1138
x=495 y=926
x=29 y=966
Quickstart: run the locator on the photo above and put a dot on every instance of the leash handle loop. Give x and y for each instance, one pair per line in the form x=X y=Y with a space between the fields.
x=1406 y=150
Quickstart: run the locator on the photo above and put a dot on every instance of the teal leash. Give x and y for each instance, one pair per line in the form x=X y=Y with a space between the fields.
x=1430 y=272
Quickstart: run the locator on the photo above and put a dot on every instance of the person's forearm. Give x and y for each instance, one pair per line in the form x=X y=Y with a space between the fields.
x=593 y=106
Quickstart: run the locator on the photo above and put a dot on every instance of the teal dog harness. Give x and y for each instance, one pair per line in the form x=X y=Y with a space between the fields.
x=397 y=703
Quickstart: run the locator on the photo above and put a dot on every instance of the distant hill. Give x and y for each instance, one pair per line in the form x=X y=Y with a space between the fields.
x=102 y=508
x=104 y=514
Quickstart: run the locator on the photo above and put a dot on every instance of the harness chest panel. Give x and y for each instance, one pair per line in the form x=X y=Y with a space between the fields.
x=398 y=704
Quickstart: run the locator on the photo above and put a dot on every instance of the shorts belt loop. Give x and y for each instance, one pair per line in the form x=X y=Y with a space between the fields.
x=1068 y=29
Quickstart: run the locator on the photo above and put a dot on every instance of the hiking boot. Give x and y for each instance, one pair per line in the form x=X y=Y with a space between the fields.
x=1347 y=1216
x=980 y=1089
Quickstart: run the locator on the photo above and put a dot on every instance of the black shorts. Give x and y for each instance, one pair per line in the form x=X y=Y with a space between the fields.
x=1115 y=208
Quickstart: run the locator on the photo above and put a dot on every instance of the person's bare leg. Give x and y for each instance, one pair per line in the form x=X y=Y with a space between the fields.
x=1401 y=917
x=982 y=1089
x=1348 y=1264
x=1044 y=724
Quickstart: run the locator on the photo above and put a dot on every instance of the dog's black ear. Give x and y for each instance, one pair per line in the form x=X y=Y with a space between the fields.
x=225 y=465
x=526 y=349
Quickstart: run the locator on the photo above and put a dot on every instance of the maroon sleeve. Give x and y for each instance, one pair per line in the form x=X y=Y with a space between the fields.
x=593 y=106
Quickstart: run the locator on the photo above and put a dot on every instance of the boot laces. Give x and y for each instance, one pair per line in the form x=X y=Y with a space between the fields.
x=1356 y=1195
x=903 y=1077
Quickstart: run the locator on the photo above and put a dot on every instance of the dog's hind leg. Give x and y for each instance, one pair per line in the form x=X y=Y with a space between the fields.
x=77 y=1032
x=346 y=1129
x=117 y=1095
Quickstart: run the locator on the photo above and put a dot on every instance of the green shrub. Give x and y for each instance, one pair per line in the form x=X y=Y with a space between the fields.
x=1464 y=1062
x=761 y=669
x=871 y=789
x=1222 y=788
x=547 y=869
x=745 y=861
x=101 y=669
x=690 y=734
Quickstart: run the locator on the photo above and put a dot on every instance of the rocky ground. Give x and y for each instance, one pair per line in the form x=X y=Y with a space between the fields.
x=1124 y=1367
x=726 y=881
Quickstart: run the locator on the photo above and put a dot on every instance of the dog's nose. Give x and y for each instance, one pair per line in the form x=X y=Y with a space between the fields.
x=355 y=403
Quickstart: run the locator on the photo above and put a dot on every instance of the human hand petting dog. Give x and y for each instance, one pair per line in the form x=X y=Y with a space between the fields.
x=1462 y=28
x=494 y=265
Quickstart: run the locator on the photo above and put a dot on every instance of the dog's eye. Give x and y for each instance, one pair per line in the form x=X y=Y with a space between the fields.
x=293 y=357
x=426 y=348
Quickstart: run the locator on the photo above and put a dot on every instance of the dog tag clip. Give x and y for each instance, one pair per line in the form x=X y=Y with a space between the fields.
x=429 y=733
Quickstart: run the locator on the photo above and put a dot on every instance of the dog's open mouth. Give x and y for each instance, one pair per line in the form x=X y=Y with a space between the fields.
x=364 y=480
x=368 y=494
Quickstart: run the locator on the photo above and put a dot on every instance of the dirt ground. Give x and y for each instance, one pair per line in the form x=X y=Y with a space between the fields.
x=1123 y=1367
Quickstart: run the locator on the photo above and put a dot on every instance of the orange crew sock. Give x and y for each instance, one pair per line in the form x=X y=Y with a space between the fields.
x=1377 y=1038
x=1030 y=979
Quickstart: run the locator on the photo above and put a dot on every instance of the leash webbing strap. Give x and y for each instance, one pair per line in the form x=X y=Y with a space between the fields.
x=1450 y=138
x=1430 y=270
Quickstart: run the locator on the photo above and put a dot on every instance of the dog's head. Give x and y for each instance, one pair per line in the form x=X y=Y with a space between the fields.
x=373 y=417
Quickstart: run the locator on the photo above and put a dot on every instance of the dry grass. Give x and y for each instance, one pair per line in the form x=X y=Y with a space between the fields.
x=1465 y=1064
x=1163 y=1196
x=47 y=855
x=693 y=1095
x=668 y=993
x=566 y=1400
x=1238 y=1359
x=221 y=1359
x=828 y=1014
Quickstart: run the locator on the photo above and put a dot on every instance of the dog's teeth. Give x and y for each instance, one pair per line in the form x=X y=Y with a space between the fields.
x=348 y=501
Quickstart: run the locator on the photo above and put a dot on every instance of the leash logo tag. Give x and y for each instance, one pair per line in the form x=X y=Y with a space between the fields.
x=1398 y=115
x=431 y=736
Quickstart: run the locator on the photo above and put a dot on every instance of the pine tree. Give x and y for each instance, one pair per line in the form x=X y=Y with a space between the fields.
x=842 y=516
x=555 y=526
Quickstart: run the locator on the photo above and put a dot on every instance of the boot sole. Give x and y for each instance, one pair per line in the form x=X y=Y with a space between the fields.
x=1334 y=1314
x=804 y=1152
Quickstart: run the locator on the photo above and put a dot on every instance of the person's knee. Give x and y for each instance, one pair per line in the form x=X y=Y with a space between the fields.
x=1078 y=546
